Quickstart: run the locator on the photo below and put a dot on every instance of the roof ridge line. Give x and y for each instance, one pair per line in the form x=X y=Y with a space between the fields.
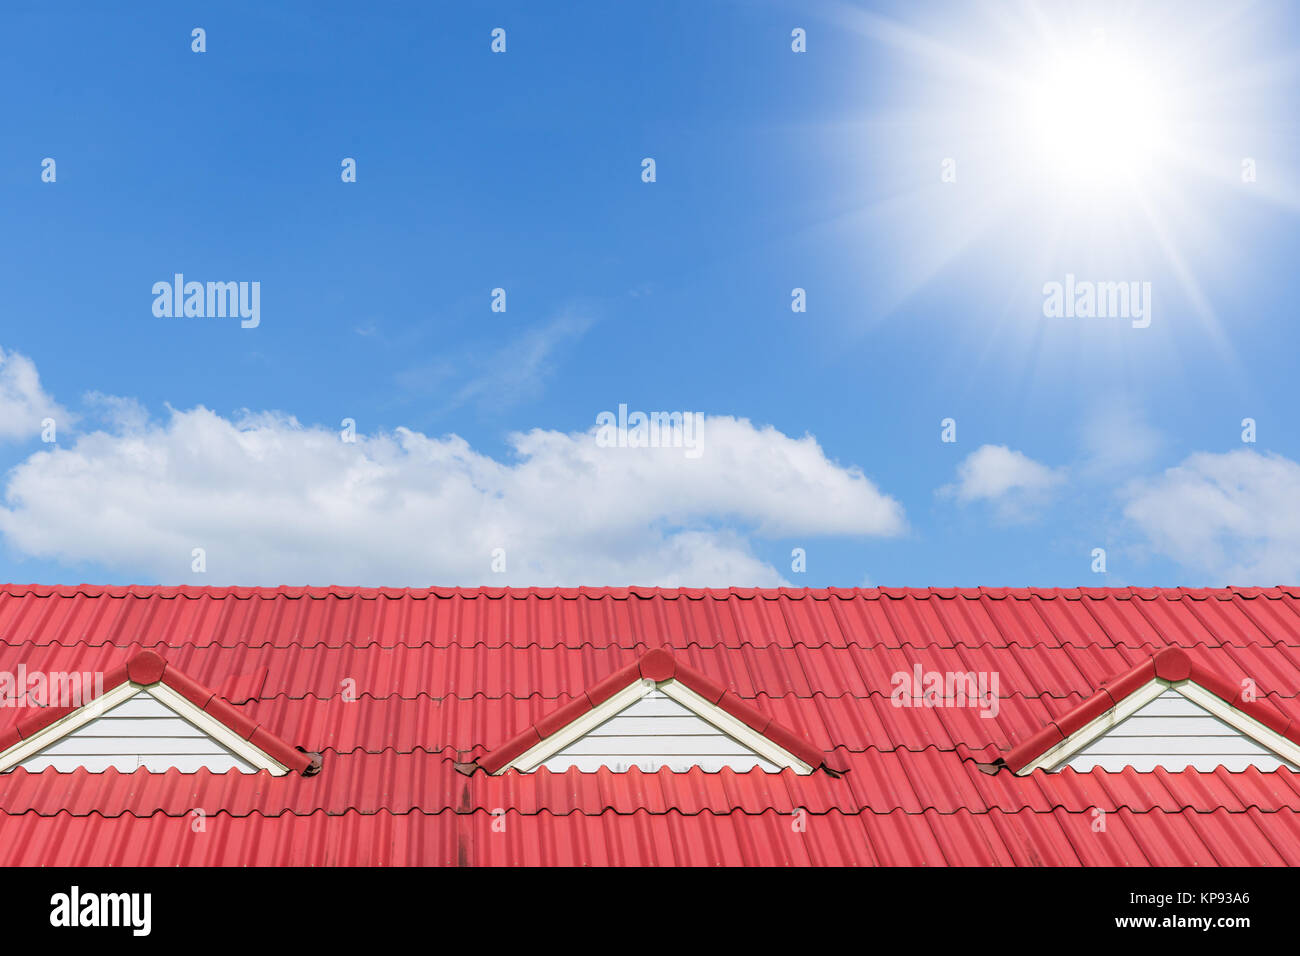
x=293 y=592
x=6 y=641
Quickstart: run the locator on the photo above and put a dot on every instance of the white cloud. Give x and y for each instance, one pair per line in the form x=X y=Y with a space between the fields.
x=23 y=403
x=1232 y=517
x=1011 y=480
x=502 y=377
x=1118 y=442
x=123 y=413
x=518 y=372
x=274 y=502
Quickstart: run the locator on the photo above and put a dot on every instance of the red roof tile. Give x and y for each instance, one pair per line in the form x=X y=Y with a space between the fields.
x=1057 y=838
x=396 y=687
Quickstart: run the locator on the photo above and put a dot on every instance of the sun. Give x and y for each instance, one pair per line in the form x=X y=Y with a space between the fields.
x=1000 y=147
x=1094 y=116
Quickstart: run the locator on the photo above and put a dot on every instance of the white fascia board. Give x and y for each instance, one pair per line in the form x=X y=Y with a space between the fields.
x=535 y=755
x=734 y=727
x=1060 y=752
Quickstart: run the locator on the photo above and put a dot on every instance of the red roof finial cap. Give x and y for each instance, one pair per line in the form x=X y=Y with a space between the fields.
x=1173 y=664
x=658 y=665
x=145 y=668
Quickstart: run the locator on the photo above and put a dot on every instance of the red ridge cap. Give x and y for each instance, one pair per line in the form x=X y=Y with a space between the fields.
x=1037 y=745
x=710 y=691
x=611 y=685
x=557 y=720
x=225 y=712
x=1218 y=686
x=657 y=665
x=745 y=712
x=1259 y=708
x=39 y=719
x=1117 y=688
x=516 y=745
x=148 y=668
x=9 y=736
x=191 y=690
x=1172 y=664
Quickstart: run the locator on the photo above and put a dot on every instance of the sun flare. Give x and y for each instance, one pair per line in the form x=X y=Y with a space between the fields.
x=1095 y=117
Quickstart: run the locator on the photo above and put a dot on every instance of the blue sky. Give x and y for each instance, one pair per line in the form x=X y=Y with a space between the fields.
x=775 y=169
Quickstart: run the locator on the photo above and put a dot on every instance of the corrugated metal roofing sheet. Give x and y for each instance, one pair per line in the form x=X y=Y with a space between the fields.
x=1058 y=838
x=647 y=617
x=404 y=670
x=473 y=724
x=396 y=686
x=875 y=782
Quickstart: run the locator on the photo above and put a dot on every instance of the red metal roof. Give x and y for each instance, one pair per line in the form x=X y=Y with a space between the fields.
x=397 y=687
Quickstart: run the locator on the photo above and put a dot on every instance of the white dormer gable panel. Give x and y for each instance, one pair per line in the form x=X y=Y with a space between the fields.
x=656 y=732
x=1175 y=733
x=142 y=732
